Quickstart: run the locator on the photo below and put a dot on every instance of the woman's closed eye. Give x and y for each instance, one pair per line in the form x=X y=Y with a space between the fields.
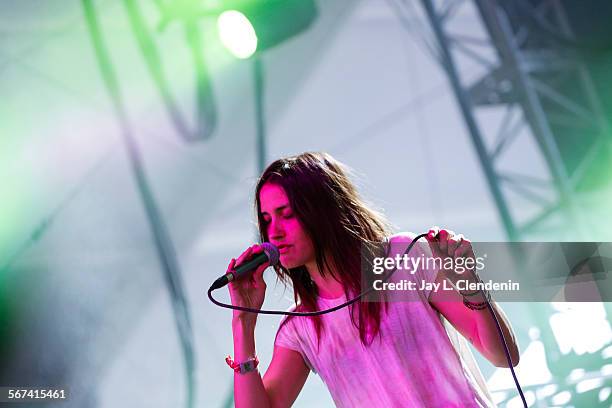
x=265 y=220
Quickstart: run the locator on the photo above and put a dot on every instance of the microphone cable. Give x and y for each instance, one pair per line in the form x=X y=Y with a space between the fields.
x=355 y=299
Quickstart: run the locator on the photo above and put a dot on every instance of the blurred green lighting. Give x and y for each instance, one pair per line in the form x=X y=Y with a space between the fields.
x=237 y=34
x=250 y=26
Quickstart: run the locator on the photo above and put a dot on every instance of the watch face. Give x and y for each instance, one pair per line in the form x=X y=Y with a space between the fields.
x=247 y=367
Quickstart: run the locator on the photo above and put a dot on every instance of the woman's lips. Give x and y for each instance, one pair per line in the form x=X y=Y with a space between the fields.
x=284 y=249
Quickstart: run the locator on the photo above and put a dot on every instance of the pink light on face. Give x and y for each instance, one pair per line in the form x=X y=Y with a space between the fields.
x=283 y=227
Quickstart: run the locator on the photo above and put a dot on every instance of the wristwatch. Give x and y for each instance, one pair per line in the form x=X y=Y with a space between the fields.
x=244 y=367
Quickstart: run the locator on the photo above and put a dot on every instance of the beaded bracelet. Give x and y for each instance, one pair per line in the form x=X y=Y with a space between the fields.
x=478 y=305
x=474 y=293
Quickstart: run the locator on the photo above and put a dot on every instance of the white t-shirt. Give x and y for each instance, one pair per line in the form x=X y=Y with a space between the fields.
x=414 y=363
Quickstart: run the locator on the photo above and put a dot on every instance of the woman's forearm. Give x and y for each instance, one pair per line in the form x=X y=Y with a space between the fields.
x=249 y=390
x=488 y=336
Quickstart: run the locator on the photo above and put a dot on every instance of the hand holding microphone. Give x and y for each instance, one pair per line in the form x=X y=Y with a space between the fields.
x=245 y=276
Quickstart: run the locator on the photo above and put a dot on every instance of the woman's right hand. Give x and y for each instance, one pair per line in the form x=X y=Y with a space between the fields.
x=248 y=291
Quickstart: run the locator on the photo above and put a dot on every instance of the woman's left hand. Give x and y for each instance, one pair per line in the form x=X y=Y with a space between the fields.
x=446 y=244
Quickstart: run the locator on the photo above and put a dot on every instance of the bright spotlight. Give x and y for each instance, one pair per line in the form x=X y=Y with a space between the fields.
x=251 y=26
x=237 y=34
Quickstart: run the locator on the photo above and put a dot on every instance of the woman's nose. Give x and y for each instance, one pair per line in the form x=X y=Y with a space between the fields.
x=276 y=229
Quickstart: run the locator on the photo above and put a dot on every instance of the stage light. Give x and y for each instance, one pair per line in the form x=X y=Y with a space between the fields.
x=247 y=27
x=237 y=33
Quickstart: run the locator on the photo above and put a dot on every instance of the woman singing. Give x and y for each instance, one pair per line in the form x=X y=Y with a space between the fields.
x=369 y=354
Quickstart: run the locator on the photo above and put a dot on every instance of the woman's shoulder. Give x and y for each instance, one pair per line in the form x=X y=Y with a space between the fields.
x=404 y=236
x=400 y=241
x=288 y=319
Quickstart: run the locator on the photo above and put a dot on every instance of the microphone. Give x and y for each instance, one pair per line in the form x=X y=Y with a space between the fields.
x=270 y=253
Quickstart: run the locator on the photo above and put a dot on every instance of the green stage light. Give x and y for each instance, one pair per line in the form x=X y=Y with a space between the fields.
x=237 y=33
x=255 y=25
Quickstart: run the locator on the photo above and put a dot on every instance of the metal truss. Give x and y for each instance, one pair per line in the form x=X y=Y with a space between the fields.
x=532 y=90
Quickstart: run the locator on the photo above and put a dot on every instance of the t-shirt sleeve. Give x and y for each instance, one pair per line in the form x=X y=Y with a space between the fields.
x=427 y=270
x=287 y=337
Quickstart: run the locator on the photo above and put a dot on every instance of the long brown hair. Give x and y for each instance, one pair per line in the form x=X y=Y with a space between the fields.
x=339 y=223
